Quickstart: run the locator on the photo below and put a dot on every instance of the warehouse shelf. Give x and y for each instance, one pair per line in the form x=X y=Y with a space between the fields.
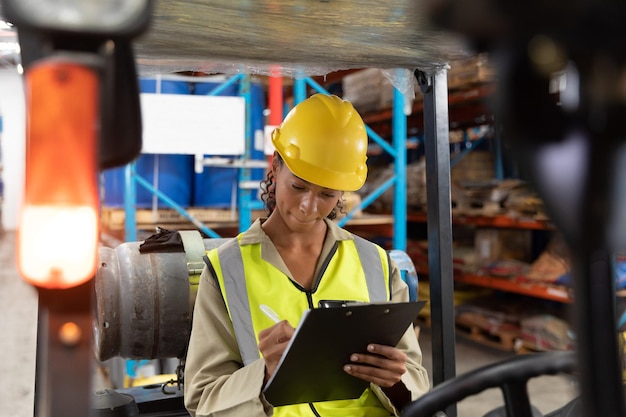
x=225 y=221
x=497 y=220
x=518 y=285
x=467 y=108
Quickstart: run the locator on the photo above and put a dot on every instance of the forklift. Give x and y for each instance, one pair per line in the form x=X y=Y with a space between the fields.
x=83 y=115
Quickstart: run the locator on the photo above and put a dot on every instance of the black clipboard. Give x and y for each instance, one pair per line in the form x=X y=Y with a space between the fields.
x=311 y=368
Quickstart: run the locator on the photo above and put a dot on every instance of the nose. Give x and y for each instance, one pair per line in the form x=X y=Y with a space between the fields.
x=307 y=203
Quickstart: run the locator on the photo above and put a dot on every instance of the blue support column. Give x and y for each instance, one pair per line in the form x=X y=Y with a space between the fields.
x=130 y=200
x=399 y=195
x=244 y=194
x=299 y=89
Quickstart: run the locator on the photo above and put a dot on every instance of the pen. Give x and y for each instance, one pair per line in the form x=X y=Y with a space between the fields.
x=270 y=313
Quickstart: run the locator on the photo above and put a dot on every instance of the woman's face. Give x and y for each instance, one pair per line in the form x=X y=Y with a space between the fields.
x=300 y=203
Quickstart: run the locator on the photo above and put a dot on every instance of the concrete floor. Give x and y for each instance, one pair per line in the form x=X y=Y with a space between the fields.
x=18 y=341
x=18 y=330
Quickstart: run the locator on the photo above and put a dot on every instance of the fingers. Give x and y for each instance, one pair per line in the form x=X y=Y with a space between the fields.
x=279 y=333
x=383 y=365
x=272 y=343
x=388 y=352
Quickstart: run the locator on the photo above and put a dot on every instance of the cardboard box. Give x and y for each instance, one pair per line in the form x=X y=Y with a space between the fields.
x=471 y=71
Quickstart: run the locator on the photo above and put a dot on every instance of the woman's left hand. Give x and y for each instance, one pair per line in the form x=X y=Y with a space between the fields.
x=381 y=365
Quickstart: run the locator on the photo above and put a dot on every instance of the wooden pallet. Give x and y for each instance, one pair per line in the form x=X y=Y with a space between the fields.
x=502 y=339
x=525 y=346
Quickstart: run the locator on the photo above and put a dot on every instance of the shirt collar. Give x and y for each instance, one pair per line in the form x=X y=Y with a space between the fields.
x=255 y=233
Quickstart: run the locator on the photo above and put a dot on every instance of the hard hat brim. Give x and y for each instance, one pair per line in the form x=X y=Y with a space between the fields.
x=334 y=180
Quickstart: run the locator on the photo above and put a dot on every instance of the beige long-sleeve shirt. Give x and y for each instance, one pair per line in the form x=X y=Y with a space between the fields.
x=217 y=383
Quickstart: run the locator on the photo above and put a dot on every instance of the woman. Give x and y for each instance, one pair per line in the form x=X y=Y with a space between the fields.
x=290 y=261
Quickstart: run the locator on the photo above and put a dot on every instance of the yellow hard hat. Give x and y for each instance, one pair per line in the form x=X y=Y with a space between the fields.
x=323 y=141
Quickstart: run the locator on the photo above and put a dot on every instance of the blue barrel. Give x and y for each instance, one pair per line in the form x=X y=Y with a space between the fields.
x=214 y=187
x=150 y=85
x=170 y=174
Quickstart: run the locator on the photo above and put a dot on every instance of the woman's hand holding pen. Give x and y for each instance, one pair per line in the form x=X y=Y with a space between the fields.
x=272 y=344
x=273 y=340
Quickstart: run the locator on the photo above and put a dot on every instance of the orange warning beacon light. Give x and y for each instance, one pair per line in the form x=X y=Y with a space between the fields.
x=59 y=224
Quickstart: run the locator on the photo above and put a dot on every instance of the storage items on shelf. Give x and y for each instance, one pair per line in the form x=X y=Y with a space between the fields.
x=368 y=90
x=510 y=197
x=546 y=332
x=502 y=252
x=498 y=250
x=415 y=188
x=553 y=264
x=514 y=324
x=497 y=326
x=466 y=72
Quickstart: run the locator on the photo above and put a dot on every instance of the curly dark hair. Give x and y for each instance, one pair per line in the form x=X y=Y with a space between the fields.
x=268 y=186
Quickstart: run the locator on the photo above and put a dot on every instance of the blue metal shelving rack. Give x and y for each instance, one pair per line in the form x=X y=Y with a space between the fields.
x=245 y=201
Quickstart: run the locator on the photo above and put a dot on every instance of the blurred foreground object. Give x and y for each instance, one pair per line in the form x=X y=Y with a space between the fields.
x=560 y=99
x=293 y=37
x=81 y=87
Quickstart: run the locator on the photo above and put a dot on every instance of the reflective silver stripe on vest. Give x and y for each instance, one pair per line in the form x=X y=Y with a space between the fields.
x=237 y=294
x=373 y=269
x=238 y=303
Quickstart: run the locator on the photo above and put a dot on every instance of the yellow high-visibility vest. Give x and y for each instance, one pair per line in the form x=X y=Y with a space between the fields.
x=356 y=270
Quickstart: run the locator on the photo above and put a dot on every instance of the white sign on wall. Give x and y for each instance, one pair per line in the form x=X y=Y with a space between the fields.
x=189 y=124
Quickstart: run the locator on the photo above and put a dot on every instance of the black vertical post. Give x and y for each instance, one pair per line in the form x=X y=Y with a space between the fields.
x=65 y=355
x=571 y=152
x=594 y=278
x=439 y=225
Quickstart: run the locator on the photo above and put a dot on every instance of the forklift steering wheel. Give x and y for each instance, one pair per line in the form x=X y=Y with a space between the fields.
x=511 y=376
